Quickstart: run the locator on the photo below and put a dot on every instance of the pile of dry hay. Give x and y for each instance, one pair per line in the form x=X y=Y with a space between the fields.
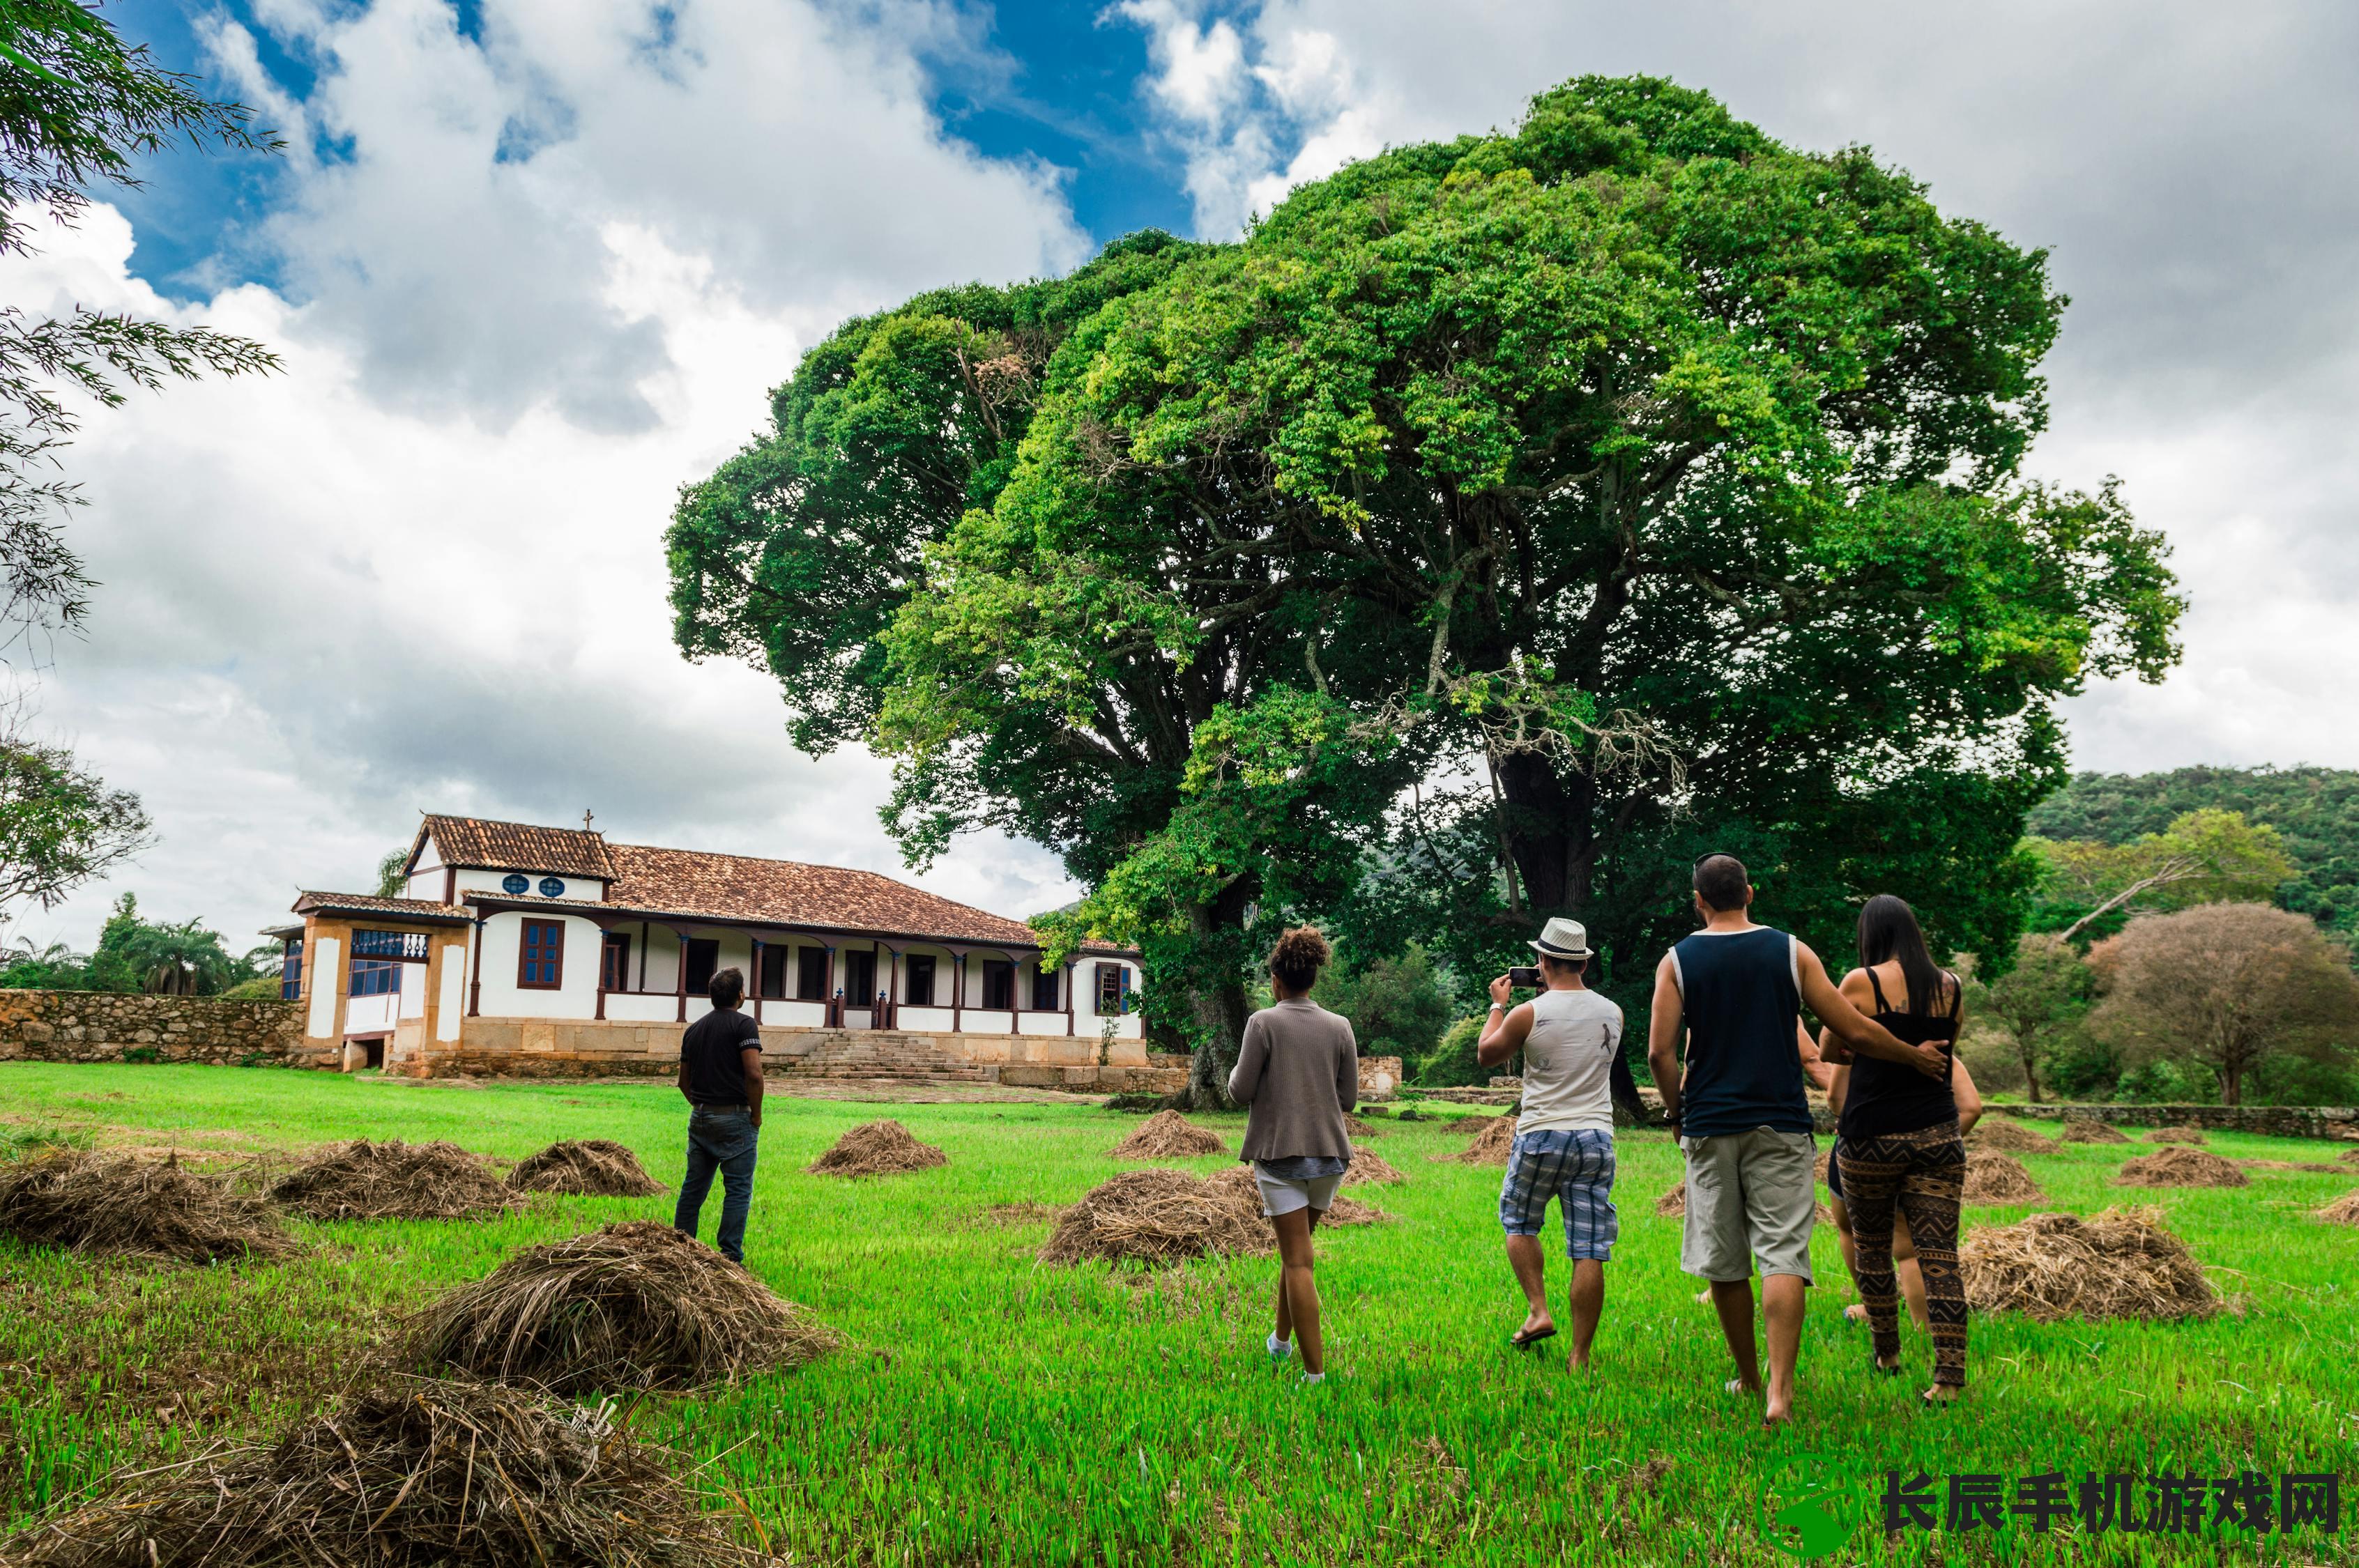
x=589 y=1167
x=2180 y=1168
x=878 y=1149
x=2087 y=1129
x=2008 y=1137
x=1166 y=1134
x=1358 y=1128
x=1156 y=1215
x=2176 y=1135
x=637 y=1306
x=2348 y=1157
x=1491 y=1146
x=1368 y=1166
x=2118 y=1264
x=1236 y=1185
x=2344 y=1210
x=157 y=1209
x=1996 y=1179
x=394 y=1180
x=408 y=1472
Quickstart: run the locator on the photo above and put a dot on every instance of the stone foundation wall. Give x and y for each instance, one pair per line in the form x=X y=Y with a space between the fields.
x=104 y=1026
x=2275 y=1120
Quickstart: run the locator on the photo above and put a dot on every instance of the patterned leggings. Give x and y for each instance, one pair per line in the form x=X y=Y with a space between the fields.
x=1923 y=1172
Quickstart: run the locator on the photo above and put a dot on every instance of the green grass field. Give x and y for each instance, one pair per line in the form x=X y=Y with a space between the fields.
x=986 y=1409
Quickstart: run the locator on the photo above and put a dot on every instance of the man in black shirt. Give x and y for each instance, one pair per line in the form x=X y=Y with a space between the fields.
x=721 y=1075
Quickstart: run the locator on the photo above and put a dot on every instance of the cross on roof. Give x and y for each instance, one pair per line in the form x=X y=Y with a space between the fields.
x=585 y=819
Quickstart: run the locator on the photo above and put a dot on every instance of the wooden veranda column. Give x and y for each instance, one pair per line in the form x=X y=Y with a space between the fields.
x=893 y=987
x=958 y=989
x=835 y=992
x=601 y=1013
x=756 y=982
x=680 y=978
x=475 y=985
x=1069 y=998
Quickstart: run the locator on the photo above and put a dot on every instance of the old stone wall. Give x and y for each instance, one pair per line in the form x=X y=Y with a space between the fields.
x=104 y=1026
x=2279 y=1120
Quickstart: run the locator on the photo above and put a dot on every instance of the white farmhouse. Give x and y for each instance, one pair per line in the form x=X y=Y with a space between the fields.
x=544 y=950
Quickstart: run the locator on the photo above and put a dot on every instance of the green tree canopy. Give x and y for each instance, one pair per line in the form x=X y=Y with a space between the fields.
x=2203 y=857
x=60 y=825
x=1498 y=526
x=2315 y=812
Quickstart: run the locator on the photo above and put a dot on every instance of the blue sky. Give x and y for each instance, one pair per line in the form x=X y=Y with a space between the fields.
x=1051 y=79
x=534 y=265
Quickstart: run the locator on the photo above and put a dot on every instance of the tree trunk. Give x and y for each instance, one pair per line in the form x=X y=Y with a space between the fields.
x=1220 y=1013
x=1548 y=830
x=2030 y=1072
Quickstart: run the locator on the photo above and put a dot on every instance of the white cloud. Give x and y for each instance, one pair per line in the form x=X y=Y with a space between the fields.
x=422 y=568
x=2169 y=153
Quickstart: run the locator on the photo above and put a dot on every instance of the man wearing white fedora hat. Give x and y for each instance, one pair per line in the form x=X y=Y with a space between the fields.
x=1572 y=1042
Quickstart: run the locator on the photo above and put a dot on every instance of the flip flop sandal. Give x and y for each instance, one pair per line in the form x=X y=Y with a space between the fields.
x=1523 y=1341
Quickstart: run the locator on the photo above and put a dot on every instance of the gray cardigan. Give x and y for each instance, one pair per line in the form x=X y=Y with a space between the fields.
x=1299 y=1067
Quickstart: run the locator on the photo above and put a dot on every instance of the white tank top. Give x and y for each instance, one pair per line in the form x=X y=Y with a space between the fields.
x=1567 y=1062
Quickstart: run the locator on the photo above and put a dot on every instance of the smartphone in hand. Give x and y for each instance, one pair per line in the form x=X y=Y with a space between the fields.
x=1529 y=978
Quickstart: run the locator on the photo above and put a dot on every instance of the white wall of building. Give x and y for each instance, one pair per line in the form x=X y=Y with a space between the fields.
x=577 y=996
x=430 y=880
x=323 y=980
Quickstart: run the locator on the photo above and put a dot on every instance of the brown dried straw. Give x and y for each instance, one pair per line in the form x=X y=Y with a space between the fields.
x=2348 y=1157
x=2089 y=1130
x=155 y=1208
x=588 y=1167
x=1358 y=1128
x=1368 y=1166
x=877 y=1149
x=1156 y=1215
x=1166 y=1135
x=2176 y=1135
x=2118 y=1264
x=1491 y=1146
x=2180 y=1168
x=2010 y=1138
x=636 y=1305
x=2344 y=1210
x=1997 y=1179
x=1672 y=1205
x=409 y=1473
x=394 y=1180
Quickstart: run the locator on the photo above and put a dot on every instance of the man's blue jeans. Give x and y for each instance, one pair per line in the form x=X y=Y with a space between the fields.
x=724 y=1140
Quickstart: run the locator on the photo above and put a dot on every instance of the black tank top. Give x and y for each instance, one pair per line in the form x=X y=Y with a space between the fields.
x=1889 y=1097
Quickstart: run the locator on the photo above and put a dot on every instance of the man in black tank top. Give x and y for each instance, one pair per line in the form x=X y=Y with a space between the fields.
x=1735 y=990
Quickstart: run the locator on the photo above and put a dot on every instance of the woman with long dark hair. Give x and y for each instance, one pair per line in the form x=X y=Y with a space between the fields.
x=1298 y=1068
x=1899 y=1145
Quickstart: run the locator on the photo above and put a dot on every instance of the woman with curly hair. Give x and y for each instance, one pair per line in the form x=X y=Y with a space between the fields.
x=1298 y=1068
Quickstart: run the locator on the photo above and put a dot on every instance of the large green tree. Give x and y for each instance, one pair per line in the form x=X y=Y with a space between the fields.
x=1498 y=526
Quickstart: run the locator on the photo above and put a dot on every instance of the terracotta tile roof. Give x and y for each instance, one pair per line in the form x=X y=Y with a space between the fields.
x=369 y=903
x=482 y=844
x=740 y=887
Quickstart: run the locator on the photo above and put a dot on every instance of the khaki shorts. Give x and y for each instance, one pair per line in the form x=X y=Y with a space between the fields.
x=1752 y=1198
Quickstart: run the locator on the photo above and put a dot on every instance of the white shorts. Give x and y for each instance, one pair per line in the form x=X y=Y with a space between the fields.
x=1284 y=1194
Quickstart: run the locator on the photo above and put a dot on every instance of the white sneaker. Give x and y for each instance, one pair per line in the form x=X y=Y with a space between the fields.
x=1279 y=1349
x=1311 y=1379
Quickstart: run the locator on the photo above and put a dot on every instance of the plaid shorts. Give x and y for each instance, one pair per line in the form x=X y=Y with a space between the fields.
x=1574 y=1165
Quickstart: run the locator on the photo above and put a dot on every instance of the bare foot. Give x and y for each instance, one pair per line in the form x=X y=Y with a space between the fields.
x=1577 y=1362
x=1856 y=1312
x=1883 y=1366
x=1778 y=1413
x=1943 y=1394
x=1703 y=1296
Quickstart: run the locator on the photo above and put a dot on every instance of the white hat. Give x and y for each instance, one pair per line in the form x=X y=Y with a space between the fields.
x=1563 y=938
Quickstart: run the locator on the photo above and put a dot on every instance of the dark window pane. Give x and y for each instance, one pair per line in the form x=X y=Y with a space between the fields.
x=921 y=979
x=811 y=974
x=703 y=957
x=774 y=972
x=998 y=983
x=859 y=977
x=1045 y=997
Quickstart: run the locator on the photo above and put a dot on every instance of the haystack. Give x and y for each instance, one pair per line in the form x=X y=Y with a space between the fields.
x=2010 y=1138
x=1491 y=1146
x=2088 y=1130
x=1156 y=1215
x=1168 y=1135
x=2344 y=1210
x=2348 y=1157
x=2180 y=1168
x=1368 y=1166
x=1673 y=1204
x=410 y=1471
x=1358 y=1128
x=587 y=1167
x=155 y=1208
x=637 y=1306
x=2176 y=1135
x=1997 y=1179
x=394 y=1180
x=1236 y=1185
x=2117 y=1264
x=877 y=1149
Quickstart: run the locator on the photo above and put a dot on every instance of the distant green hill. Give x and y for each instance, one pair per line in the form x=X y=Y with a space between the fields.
x=2316 y=810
